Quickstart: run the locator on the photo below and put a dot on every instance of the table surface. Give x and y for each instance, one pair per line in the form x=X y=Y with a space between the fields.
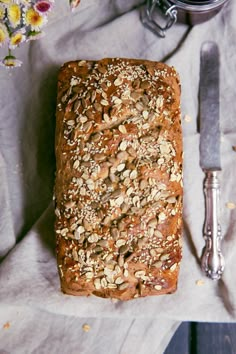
x=203 y=338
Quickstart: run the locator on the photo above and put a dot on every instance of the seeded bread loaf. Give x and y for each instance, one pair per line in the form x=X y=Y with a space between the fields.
x=118 y=189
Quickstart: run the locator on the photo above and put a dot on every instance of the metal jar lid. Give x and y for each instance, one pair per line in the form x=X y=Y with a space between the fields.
x=186 y=11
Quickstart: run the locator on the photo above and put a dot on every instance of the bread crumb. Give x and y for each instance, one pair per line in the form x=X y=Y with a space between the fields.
x=86 y=327
x=187 y=118
x=6 y=325
x=200 y=282
x=231 y=205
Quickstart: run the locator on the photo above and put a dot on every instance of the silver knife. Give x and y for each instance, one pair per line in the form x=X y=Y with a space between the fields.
x=209 y=94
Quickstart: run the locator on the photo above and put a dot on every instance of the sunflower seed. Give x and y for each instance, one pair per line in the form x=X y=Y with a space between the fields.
x=76 y=164
x=164 y=257
x=171 y=200
x=120 y=243
x=152 y=223
x=106 y=118
x=152 y=252
x=122 y=129
x=118 y=81
x=117 y=269
x=158 y=234
x=93 y=238
x=98 y=107
x=82 y=63
x=122 y=155
x=123 y=145
x=120 y=167
x=104 y=102
x=119 y=281
x=123 y=286
x=157 y=264
x=126 y=273
x=89 y=275
x=112 y=286
x=133 y=174
x=143 y=184
x=97 y=283
x=139 y=273
x=173 y=267
x=145 y=114
x=103 y=283
x=162 y=216
x=119 y=201
x=129 y=191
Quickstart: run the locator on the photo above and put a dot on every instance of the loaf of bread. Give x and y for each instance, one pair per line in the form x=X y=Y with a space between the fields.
x=118 y=188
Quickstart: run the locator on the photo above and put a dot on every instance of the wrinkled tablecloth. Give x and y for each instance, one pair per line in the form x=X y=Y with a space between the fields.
x=35 y=317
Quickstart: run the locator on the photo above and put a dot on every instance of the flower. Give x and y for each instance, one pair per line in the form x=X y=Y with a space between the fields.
x=14 y=15
x=74 y=4
x=16 y=38
x=10 y=62
x=34 y=19
x=3 y=34
x=43 y=6
x=32 y=35
x=26 y=2
x=21 y=21
x=2 y=11
x=6 y=1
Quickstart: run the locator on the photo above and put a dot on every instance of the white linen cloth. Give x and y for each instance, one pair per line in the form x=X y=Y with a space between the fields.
x=35 y=317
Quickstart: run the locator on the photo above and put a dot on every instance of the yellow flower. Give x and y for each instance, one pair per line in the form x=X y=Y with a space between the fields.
x=34 y=19
x=3 y=34
x=14 y=15
x=16 y=39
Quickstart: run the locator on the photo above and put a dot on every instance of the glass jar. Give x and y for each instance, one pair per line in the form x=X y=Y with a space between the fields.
x=186 y=11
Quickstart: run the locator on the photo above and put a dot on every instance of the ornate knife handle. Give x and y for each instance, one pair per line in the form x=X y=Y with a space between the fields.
x=212 y=258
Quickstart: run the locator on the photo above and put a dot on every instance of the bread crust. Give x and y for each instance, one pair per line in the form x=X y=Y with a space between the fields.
x=118 y=187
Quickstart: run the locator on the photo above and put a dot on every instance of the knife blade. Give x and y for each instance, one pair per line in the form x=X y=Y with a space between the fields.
x=212 y=261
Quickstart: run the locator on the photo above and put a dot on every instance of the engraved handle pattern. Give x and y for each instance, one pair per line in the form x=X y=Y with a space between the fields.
x=212 y=258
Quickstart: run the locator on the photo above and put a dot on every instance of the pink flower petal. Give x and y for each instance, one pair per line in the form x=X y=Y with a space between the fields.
x=43 y=6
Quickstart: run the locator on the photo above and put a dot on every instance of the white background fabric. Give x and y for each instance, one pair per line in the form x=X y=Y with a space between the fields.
x=35 y=317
